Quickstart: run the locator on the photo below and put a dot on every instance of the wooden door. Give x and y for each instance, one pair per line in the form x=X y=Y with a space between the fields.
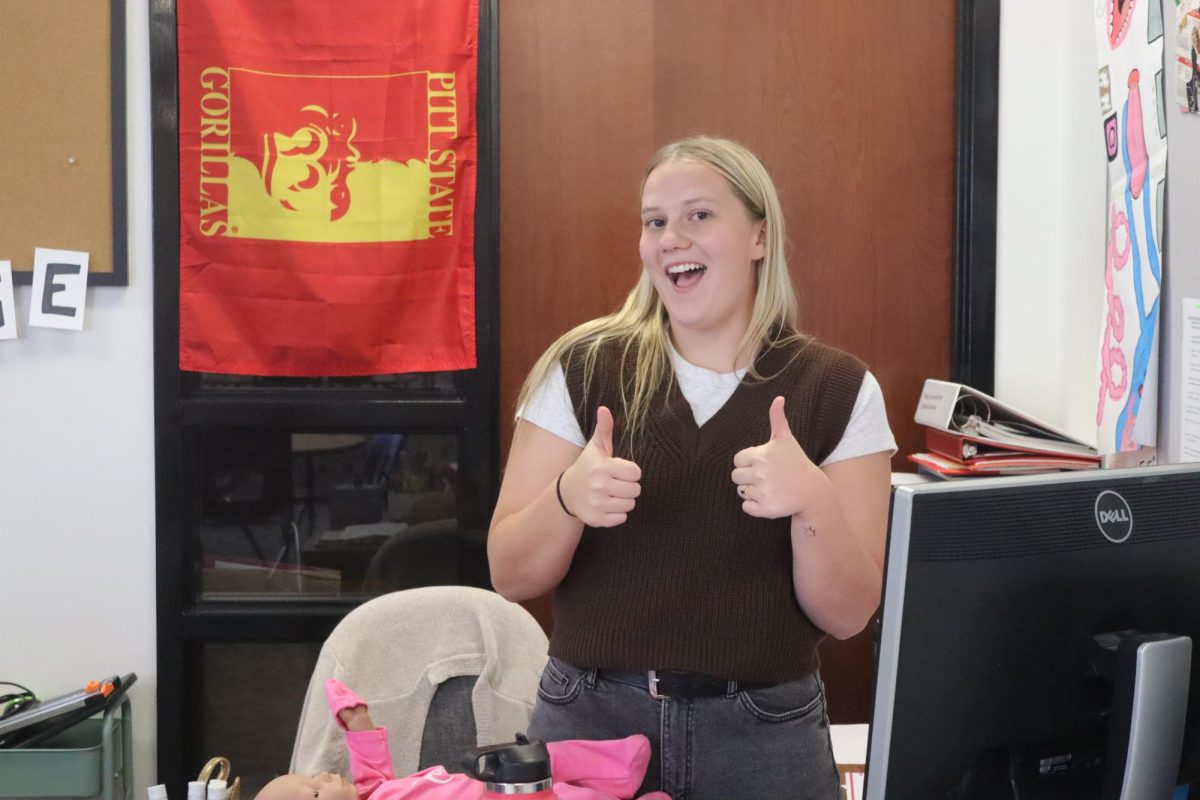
x=849 y=105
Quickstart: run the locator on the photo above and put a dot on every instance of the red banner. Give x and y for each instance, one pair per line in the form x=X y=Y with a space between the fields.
x=327 y=157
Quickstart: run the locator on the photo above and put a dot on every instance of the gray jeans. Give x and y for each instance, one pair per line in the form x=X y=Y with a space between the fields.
x=761 y=743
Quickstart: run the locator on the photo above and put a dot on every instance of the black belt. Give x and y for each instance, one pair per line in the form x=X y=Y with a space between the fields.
x=667 y=683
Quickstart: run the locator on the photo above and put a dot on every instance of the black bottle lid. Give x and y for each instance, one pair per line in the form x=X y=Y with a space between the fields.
x=521 y=761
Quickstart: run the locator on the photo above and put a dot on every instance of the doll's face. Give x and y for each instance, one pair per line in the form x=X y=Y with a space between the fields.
x=325 y=786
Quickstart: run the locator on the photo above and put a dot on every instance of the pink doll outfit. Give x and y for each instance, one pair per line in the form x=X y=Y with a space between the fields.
x=582 y=770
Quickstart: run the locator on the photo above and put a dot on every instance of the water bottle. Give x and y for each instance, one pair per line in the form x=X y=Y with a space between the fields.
x=520 y=768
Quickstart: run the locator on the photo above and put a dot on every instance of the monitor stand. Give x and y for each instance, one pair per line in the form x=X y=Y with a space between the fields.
x=1150 y=697
x=1127 y=748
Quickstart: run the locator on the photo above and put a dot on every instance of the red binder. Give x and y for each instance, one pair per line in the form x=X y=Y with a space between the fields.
x=967 y=449
x=1017 y=464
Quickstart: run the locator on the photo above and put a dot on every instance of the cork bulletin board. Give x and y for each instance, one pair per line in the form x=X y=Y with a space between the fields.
x=62 y=183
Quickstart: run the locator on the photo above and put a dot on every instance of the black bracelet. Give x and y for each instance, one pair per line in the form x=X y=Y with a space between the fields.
x=558 y=491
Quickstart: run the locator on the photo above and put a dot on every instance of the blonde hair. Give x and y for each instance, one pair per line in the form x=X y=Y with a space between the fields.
x=640 y=324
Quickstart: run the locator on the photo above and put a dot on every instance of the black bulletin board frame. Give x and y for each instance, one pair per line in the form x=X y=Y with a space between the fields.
x=118 y=199
x=119 y=276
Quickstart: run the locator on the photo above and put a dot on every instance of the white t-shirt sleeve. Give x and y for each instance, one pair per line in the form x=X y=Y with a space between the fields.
x=867 y=431
x=549 y=407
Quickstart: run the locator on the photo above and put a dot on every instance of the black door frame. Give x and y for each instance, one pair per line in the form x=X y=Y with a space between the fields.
x=977 y=103
x=183 y=624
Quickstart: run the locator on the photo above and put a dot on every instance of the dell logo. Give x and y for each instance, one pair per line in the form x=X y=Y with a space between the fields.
x=1113 y=516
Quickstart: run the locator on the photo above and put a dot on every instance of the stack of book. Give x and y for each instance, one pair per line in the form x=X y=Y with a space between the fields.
x=968 y=433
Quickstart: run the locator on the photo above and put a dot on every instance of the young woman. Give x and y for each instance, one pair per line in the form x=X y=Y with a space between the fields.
x=705 y=489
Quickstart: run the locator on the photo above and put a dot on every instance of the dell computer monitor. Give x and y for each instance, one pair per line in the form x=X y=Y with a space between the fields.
x=1036 y=638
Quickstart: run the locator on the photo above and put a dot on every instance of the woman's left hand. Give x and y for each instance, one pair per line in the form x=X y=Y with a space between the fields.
x=770 y=478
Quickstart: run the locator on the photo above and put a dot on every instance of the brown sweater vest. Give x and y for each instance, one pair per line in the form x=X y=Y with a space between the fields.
x=690 y=581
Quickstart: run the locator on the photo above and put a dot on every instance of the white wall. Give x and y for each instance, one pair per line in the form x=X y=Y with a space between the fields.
x=1050 y=214
x=77 y=470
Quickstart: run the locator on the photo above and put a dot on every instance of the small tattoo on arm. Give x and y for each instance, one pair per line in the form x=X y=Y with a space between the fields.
x=809 y=530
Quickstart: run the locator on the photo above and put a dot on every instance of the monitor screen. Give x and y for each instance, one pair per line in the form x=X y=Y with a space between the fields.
x=1024 y=629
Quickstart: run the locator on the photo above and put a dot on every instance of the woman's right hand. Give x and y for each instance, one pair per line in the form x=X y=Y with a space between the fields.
x=599 y=489
x=531 y=542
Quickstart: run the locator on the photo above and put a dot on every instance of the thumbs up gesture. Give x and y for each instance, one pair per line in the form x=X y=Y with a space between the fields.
x=769 y=477
x=599 y=489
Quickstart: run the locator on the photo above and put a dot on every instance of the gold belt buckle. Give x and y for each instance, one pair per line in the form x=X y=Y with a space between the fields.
x=652 y=685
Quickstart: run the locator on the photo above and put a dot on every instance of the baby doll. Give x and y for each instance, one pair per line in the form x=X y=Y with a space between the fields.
x=582 y=770
x=352 y=716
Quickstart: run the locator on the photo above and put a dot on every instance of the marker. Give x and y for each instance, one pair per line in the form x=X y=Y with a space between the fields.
x=216 y=789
